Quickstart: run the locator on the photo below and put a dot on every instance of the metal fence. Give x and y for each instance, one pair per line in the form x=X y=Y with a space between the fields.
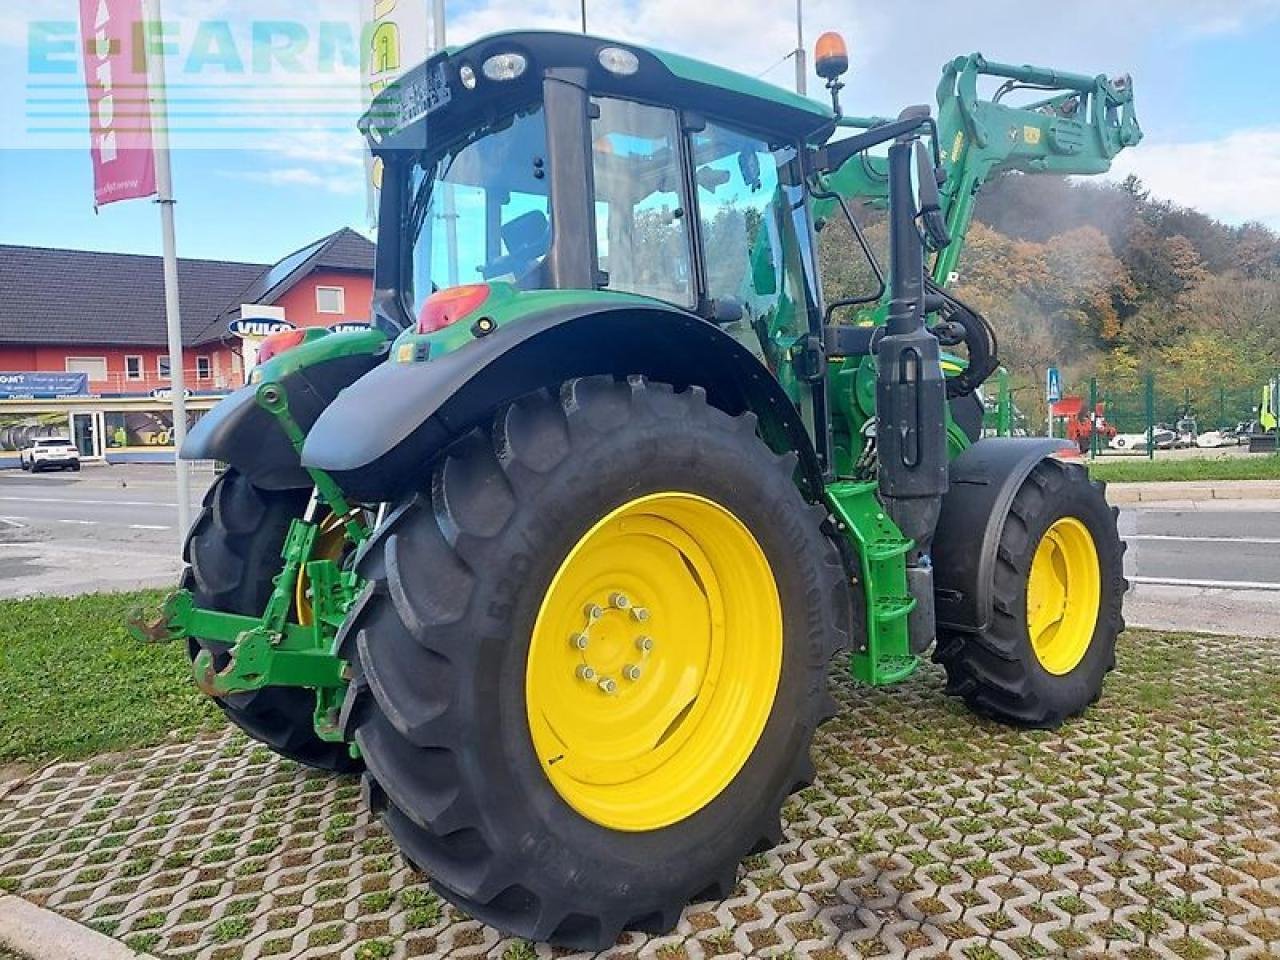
x=1142 y=415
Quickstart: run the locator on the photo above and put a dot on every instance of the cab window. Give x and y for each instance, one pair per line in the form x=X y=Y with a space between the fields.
x=642 y=232
x=753 y=249
x=482 y=211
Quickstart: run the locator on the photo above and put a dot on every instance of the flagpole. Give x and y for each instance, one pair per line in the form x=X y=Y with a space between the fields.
x=172 y=308
x=449 y=213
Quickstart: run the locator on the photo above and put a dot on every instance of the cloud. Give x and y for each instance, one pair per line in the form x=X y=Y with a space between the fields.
x=341 y=184
x=1235 y=178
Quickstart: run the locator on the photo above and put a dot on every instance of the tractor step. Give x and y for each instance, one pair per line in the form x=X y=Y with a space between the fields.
x=884 y=654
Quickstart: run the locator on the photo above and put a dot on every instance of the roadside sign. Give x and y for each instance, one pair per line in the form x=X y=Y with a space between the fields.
x=1054 y=385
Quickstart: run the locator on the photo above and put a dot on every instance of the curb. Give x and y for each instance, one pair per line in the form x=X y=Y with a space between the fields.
x=44 y=935
x=1156 y=491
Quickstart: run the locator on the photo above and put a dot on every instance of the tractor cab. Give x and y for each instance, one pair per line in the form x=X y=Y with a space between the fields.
x=560 y=162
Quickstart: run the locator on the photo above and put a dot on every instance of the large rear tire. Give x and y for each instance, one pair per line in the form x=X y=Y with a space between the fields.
x=592 y=659
x=1057 y=593
x=233 y=552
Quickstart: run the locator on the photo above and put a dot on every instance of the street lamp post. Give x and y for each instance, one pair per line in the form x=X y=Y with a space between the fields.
x=801 y=74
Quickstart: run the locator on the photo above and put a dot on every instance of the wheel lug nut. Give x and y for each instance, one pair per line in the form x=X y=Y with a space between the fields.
x=631 y=672
x=644 y=644
x=608 y=685
x=593 y=611
x=586 y=673
x=640 y=614
x=579 y=641
x=619 y=600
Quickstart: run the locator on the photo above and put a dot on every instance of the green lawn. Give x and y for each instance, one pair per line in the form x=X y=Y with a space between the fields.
x=74 y=683
x=1258 y=466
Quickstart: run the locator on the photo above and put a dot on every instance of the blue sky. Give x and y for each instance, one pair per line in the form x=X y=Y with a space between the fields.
x=1203 y=72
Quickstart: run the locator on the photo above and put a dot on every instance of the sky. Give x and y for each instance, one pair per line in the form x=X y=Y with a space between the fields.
x=1203 y=70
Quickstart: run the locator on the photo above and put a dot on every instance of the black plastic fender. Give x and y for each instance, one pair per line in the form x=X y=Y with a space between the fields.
x=984 y=480
x=240 y=432
x=378 y=436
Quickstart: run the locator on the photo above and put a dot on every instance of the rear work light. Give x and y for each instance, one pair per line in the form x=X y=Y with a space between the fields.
x=450 y=305
x=278 y=343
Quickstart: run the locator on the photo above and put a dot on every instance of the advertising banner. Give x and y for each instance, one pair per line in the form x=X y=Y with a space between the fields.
x=115 y=67
x=395 y=38
x=40 y=385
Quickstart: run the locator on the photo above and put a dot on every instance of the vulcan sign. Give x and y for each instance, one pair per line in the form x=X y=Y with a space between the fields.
x=258 y=328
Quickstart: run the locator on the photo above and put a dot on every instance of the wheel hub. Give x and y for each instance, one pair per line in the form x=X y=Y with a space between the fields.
x=602 y=643
x=1064 y=589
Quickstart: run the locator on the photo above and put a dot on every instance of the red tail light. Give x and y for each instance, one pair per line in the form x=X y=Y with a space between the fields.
x=450 y=305
x=278 y=343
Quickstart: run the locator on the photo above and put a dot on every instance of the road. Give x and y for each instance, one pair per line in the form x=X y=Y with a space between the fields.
x=105 y=528
x=1211 y=566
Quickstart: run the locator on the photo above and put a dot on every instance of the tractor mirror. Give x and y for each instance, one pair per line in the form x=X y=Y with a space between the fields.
x=830 y=56
x=931 y=216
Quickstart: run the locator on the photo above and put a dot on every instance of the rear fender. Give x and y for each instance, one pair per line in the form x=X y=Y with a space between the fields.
x=378 y=436
x=239 y=431
x=984 y=479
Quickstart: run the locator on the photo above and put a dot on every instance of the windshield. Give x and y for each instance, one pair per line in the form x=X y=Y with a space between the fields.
x=482 y=211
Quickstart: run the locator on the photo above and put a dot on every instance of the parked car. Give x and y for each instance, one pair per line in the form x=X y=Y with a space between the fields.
x=49 y=453
x=1163 y=437
x=1217 y=438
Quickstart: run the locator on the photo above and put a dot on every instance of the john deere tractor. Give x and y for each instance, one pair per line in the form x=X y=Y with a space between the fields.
x=561 y=550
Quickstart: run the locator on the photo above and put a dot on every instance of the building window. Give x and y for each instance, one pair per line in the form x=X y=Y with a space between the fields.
x=331 y=300
x=133 y=368
x=162 y=366
x=204 y=371
x=95 y=367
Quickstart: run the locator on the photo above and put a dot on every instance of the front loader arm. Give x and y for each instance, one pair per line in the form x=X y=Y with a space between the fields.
x=1078 y=128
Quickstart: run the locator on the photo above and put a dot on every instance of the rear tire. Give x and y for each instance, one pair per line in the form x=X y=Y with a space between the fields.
x=447 y=705
x=234 y=552
x=1003 y=672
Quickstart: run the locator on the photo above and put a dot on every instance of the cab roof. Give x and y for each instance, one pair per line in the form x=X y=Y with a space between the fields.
x=662 y=78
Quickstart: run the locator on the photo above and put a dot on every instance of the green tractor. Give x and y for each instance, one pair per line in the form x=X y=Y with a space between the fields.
x=560 y=552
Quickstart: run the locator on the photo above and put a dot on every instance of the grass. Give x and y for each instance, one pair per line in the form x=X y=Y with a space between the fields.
x=1126 y=470
x=75 y=683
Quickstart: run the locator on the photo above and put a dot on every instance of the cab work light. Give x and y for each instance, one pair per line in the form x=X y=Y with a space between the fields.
x=450 y=305
x=618 y=61
x=505 y=66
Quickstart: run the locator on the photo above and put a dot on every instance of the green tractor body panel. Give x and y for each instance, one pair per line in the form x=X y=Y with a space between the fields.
x=809 y=398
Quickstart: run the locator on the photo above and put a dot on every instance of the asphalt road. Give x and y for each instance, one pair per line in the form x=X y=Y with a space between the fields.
x=1225 y=545
x=1208 y=566
x=105 y=528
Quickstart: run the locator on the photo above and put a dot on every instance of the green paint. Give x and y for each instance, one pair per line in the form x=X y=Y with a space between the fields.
x=885 y=656
x=506 y=304
x=707 y=74
x=319 y=347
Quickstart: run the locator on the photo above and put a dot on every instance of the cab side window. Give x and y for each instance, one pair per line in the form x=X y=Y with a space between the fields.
x=642 y=231
x=753 y=253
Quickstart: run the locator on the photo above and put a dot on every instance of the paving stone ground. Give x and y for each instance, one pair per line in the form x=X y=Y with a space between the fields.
x=1148 y=828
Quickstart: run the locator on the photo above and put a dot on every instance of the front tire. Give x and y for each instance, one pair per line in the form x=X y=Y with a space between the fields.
x=504 y=595
x=1057 y=594
x=234 y=552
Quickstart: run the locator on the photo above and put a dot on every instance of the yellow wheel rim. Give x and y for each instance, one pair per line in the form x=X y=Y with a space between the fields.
x=654 y=662
x=1063 y=593
x=331 y=539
